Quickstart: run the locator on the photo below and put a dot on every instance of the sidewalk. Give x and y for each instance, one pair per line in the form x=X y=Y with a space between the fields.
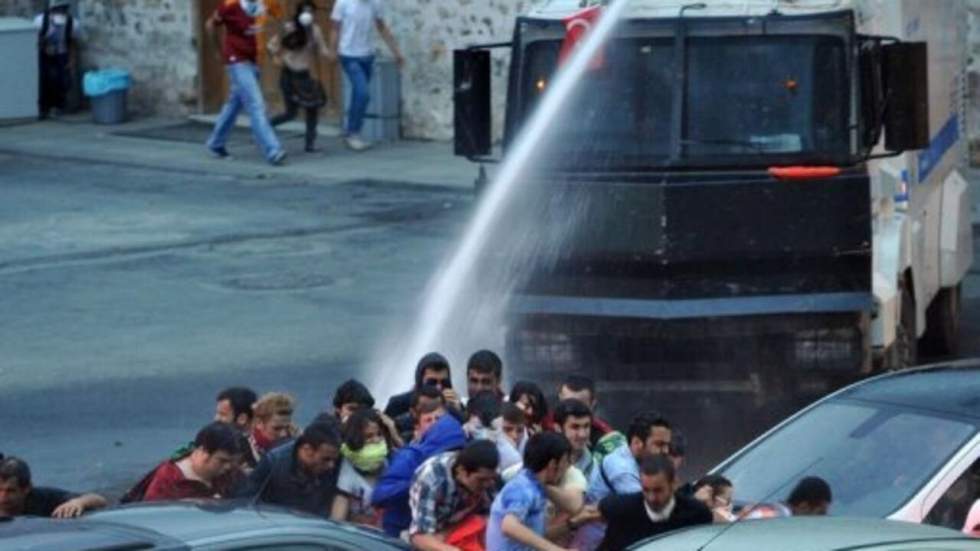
x=76 y=137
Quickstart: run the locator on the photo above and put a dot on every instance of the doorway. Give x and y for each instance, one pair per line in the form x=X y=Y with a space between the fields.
x=213 y=81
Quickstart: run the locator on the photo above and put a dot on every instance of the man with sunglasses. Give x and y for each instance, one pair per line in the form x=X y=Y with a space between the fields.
x=432 y=370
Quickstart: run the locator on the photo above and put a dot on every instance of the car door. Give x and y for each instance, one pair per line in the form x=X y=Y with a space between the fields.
x=955 y=490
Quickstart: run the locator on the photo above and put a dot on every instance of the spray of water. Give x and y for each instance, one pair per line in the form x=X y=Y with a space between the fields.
x=446 y=290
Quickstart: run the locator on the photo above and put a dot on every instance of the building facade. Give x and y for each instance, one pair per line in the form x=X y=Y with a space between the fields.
x=161 y=43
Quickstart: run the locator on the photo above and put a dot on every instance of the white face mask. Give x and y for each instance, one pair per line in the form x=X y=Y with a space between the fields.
x=59 y=18
x=253 y=8
x=306 y=19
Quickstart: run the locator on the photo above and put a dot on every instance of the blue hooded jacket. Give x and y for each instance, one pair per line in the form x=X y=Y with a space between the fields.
x=391 y=491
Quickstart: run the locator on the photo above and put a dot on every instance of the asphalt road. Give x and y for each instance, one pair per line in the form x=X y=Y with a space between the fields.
x=129 y=296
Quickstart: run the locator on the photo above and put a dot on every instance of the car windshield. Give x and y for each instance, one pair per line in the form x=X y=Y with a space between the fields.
x=874 y=457
x=761 y=97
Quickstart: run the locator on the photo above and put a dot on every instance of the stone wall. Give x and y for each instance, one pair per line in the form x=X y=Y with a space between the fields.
x=428 y=31
x=153 y=39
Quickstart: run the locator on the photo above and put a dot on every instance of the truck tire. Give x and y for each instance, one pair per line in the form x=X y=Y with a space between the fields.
x=904 y=351
x=943 y=323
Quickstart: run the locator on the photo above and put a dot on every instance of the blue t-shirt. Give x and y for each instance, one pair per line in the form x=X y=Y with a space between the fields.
x=524 y=498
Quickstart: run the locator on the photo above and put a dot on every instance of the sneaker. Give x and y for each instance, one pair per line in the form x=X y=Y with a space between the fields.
x=219 y=152
x=278 y=158
x=356 y=143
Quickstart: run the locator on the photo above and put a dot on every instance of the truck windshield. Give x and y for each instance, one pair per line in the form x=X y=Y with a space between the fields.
x=746 y=100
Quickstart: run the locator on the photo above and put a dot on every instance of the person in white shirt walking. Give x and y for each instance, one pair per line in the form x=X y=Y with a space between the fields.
x=352 y=38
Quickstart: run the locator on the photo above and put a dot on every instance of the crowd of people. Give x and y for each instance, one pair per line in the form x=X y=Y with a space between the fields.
x=496 y=471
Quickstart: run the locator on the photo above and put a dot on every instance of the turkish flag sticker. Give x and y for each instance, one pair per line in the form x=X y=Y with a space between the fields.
x=577 y=27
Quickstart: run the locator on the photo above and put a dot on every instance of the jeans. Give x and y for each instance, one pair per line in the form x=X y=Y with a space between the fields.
x=358 y=71
x=245 y=92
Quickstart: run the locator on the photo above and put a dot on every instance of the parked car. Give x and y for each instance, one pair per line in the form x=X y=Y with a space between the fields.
x=904 y=446
x=811 y=534
x=186 y=526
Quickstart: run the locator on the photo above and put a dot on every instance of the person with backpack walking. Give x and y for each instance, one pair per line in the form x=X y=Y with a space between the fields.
x=295 y=49
x=57 y=32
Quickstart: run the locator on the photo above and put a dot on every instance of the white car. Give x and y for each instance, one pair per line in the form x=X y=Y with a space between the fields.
x=904 y=446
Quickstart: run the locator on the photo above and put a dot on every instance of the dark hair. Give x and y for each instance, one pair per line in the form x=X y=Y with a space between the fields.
x=240 y=398
x=578 y=383
x=715 y=481
x=543 y=448
x=486 y=361
x=353 y=430
x=217 y=436
x=16 y=468
x=511 y=413
x=652 y=464
x=426 y=391
x=432 y=360
x=571 y=408
x=642 y=424
x=297 y=38
x=318 y=434
x=486 y=405
x=478 y=454
x=527 y=388
x=811 y=489
x=352 y=392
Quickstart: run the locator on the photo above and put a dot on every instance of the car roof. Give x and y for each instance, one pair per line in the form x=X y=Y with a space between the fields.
x=952 y=388
x=801 y=534
x=36 y=533
x=192 y=521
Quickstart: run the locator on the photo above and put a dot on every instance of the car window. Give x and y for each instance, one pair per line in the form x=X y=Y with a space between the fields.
x=954 y=505
x=875 y=457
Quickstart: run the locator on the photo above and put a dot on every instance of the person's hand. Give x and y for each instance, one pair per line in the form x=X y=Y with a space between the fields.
x=451 y=397
x=69 y=509
x=589 y=513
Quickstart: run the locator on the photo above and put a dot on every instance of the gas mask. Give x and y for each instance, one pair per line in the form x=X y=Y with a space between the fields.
x=306 y=19
x=368 y=459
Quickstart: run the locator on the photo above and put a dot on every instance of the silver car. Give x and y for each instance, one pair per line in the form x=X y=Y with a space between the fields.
x=903 y=446
x=812 y=534
x=186 y=526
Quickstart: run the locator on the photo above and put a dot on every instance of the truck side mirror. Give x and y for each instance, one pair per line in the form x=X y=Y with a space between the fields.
x=905 y=72
x=471 y=96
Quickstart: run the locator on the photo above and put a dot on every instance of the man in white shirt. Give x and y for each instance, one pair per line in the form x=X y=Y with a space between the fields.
x=352 y=38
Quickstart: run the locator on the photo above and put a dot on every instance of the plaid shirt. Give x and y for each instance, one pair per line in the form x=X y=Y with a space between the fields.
x=437 y=502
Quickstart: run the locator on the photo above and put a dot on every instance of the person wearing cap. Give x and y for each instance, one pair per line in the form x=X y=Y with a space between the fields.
x=57 y=33
x=432 y=370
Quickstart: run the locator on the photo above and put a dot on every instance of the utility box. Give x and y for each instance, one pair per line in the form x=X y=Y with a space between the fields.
x=382 y=123
x=18 y=69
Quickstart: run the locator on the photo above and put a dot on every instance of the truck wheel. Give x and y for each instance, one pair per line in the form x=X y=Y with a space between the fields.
x=905 y=350
x=943 y=323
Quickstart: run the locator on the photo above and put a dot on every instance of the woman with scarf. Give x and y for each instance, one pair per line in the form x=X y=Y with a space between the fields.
x=366 y=446
x=295 y=49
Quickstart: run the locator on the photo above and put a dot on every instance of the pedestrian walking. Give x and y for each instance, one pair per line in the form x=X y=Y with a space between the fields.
x=57 y=33
x=295 y=49
x=242 y=20
x=352 y=37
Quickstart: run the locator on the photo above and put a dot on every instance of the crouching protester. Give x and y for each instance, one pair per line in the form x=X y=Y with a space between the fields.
x=19 y=497
x=391 y=493
x=450 y=496
x=301 y=474
x=519 y=513
x=366 y=446
x=202 y=470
